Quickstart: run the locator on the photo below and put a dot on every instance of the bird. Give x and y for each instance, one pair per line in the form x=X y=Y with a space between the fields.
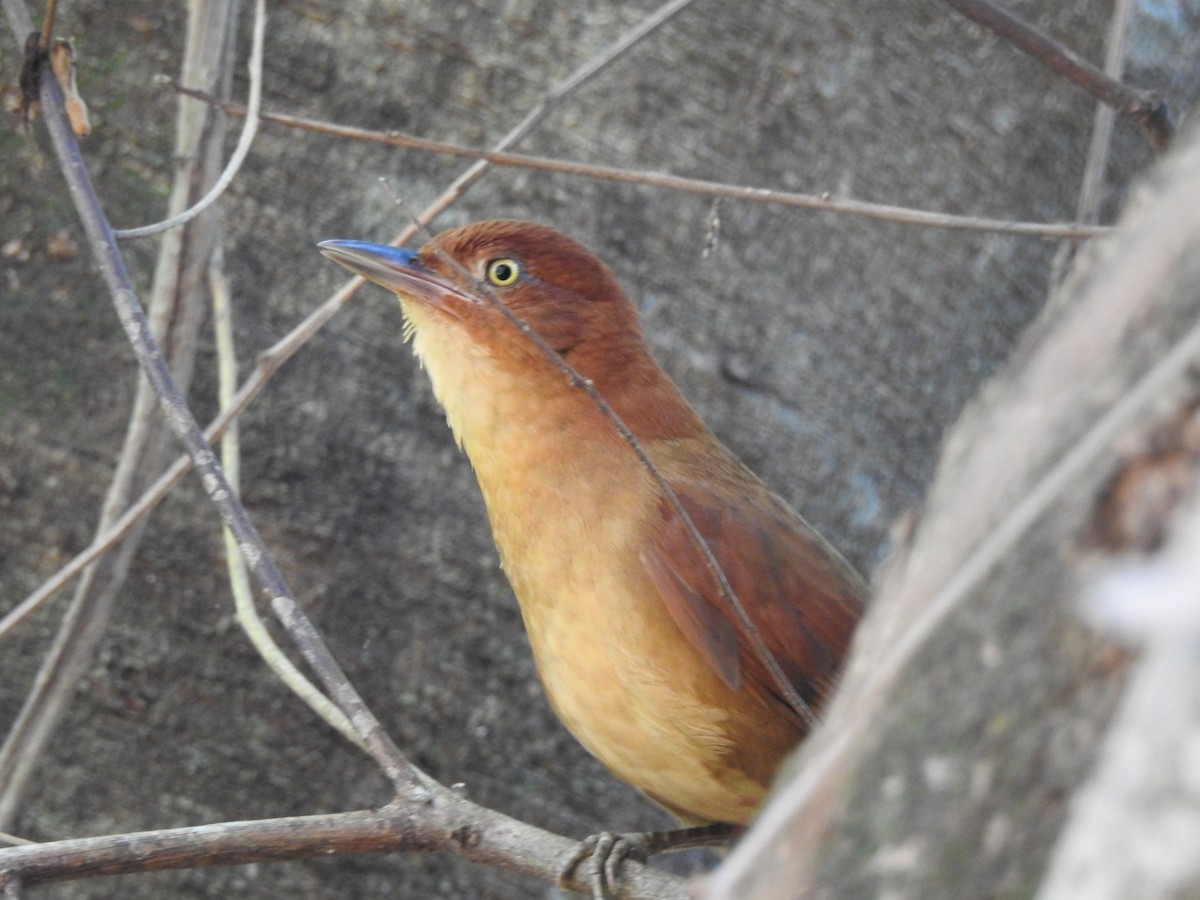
x=629 y=533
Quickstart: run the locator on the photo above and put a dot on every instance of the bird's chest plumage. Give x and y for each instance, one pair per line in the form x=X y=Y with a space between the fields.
x=615 y=667
x=571 y=508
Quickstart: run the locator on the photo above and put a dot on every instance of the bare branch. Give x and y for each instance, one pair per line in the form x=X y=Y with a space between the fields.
x=1087 y=206
x=403 y=775
x=545 y=106
x=1144 y=108
x=245 y=139
x=1088 y=209
x=174 y=315
x=239 y=582
x=821 y=203
x=446 y=823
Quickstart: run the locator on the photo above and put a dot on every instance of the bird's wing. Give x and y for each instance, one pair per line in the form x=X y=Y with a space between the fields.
x=803 y=599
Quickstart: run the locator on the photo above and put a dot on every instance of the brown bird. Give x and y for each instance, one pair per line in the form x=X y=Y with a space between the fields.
x=638 y=645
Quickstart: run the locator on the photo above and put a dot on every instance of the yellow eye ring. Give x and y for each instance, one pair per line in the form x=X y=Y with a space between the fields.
x=503 y=272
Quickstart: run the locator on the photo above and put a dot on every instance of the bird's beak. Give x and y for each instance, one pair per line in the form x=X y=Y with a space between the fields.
x=400 y=271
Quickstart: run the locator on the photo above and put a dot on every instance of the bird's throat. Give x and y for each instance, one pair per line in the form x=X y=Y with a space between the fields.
x=553 y=470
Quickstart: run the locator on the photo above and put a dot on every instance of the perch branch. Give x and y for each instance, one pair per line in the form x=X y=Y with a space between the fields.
x=447 y=823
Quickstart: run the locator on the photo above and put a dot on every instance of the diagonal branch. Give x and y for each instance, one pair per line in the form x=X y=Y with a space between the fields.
x=1144 y=108
x=405 y=778
x=174 y=316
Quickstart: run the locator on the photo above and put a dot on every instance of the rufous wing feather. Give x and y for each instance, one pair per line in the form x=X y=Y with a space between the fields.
x=803 y=599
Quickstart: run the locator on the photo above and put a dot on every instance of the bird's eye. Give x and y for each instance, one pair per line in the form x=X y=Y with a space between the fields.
x=503 y=272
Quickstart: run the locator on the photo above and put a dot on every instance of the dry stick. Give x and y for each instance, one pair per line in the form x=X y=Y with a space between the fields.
x=78 y=644
x=1144 y=108
x=786 y=689
x=239 y=581
x=822 y=202
x=240 y=152
x=143 y=450
x=545 y=106
x=48 y=23
x=1087 y=207
x=405 y=778
x=271 y=359
x=460 y=827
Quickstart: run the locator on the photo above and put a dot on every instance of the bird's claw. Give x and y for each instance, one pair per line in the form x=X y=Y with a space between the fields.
x=607 y=851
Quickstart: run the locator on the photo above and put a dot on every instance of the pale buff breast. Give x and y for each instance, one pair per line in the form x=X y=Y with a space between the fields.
x=616 y=669
x=568 y=519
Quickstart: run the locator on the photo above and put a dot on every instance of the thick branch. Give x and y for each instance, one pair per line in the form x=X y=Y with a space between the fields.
x=446 y=823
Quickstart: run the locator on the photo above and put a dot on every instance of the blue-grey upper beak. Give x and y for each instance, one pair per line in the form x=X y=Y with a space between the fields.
x=376 y=262
x=397 y=269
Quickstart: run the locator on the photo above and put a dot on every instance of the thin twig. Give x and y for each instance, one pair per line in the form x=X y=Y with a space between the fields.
x=1087 y=206
x=545 y=106
x=1145 y=109
x=245 y=139
x=1087 y=210
x=239 y=582
x=405 y=777
x=822 y=203
x=48 y=23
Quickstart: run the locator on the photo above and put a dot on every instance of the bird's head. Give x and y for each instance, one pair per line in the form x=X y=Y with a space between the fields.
x=484 y=370
x=552 y=283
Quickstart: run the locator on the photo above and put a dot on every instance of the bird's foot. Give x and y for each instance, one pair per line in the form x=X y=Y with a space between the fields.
x=608 y=850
